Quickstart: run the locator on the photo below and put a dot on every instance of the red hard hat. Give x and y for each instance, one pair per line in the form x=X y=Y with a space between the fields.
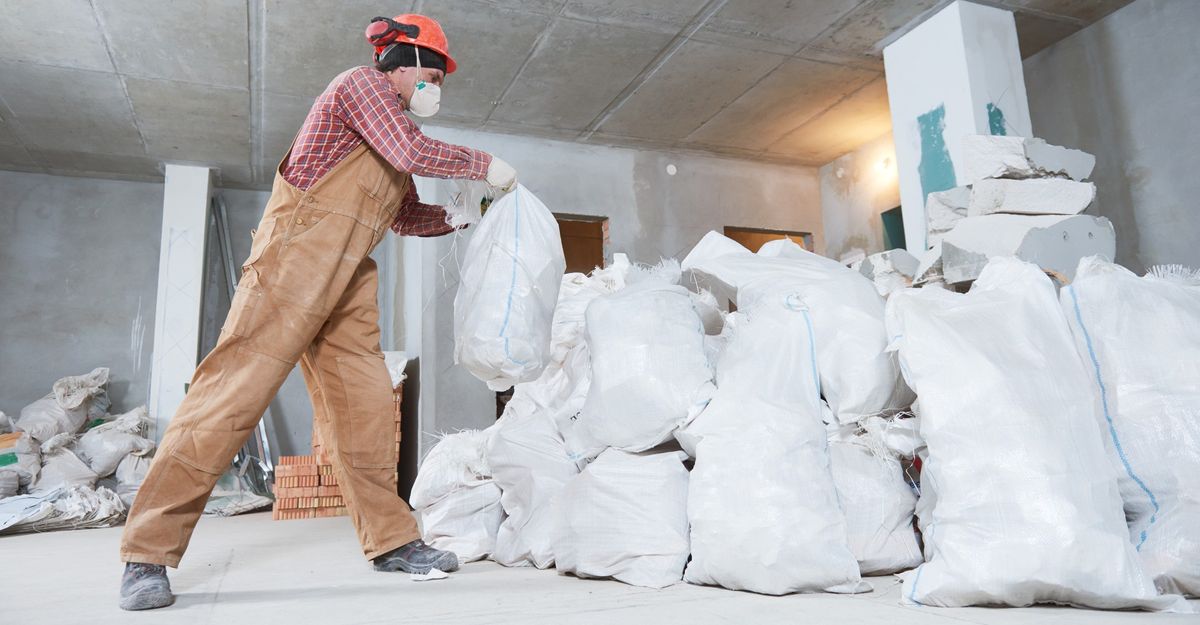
x=412 y=29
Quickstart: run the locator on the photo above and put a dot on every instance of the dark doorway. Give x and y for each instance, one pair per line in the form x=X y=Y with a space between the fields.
x=893 y=229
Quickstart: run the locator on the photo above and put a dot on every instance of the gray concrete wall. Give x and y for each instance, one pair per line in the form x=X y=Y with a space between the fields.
x=78 y=278
x=1127 y=89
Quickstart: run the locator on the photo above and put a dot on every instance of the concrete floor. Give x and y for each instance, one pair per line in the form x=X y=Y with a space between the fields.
x=251 y=569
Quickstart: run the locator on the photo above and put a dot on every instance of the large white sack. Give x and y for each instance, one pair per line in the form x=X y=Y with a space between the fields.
x=877 y=504
x=104 y=446
x=530 y=463
x=507 y=291
x=72 y=402
x=761 y=500
x=859 y=378
x=649 y=368
x=464 y=521
x=625 y=517
x=455 y=498
x=1140 y=340
x=1027 y=507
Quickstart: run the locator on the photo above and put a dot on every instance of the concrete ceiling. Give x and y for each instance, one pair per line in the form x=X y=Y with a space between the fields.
x=115 y=88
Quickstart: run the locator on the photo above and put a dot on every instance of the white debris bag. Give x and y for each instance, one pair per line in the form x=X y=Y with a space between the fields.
x=61 y=468
x=530 y=463
x=1027 y=507
x=877 y=504
x=859 y=378
x=1140 y=342
x=761 y=500
x=507 y=292
x=72 y=402
x=455 y=498
x=649 y=367
x=106 y=445
x=22 y=458
x=625 y=517
x=130 y=474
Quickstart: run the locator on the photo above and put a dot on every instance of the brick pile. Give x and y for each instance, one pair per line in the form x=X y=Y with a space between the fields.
x=306 y=486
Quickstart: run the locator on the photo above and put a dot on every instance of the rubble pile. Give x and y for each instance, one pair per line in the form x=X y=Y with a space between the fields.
x=996 y=439
x=65 y=462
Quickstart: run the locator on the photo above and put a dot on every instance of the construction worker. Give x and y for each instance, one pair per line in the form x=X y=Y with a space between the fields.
x=308 y=294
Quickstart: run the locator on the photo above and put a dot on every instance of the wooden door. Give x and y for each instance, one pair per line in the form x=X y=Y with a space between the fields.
x=584 y=241
x=754 y=238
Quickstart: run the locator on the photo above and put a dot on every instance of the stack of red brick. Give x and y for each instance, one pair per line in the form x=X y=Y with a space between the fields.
x=306 y=487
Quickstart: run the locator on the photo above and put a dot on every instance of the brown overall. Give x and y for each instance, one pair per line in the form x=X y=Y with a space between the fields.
x=307 y=294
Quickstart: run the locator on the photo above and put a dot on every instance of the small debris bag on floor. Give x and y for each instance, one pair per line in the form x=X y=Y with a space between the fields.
x=72 y=402
x=761 y=501
x=877 y=504
x=61 y=467
x=625 y=517
x=1140 y=342
x=130 y=474
x=106 y=445
x=20 y=456
x=859 y=378
x=455 y=498
x=1027 y=507
x=530 y=463
x=649 y=368
x=507 y=292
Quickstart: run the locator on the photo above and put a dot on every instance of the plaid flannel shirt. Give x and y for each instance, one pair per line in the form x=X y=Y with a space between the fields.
x=360 y=105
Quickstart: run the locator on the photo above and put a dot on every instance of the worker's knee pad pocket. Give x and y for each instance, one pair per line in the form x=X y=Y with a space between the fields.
x=367 y=429
x=210 y=451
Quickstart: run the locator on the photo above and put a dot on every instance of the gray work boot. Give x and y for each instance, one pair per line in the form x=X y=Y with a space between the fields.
x=145 y=587
x=416 y=557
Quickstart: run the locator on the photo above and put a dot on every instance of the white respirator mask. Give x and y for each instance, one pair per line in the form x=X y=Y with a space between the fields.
x=426 y=98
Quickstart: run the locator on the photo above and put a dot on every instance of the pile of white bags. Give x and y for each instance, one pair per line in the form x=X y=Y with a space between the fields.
x=72 y=402
x=761 y=501
x=538 y=443
x=649 y=368
x=455 y=498
x=625 y=517
x=859 y=378
x=1027 y=508
x=507 y=292
x=1140 y=342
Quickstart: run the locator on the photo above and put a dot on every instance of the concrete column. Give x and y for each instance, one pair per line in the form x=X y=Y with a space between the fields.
x=958 y=73
x=186 y=196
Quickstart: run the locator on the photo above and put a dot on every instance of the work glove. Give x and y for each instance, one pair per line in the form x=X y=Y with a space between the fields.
x=501 y=177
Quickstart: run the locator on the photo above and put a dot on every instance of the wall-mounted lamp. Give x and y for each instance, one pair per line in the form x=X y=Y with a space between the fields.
x=672 y=169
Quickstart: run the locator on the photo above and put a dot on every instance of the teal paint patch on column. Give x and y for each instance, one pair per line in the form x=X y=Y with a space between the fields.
x=936 y=169
x=996 y=124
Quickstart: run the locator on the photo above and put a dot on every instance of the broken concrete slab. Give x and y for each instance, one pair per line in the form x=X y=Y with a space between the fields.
x=929 y=271
x=943 y=209
x=1053 y=242
x=1038 y=196
x=891 y=270
x=991 y=156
